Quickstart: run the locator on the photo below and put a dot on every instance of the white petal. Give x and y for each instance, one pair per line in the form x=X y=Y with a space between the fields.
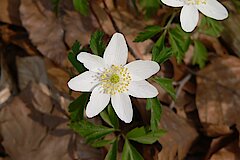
x=189 y=18
x=213 y=9
x=173 y=3
x=140 y=70
x=91 y=62
x=98 y=101
x=122 y=106
x=84 y=82
x=142 y=89
x=116 y=52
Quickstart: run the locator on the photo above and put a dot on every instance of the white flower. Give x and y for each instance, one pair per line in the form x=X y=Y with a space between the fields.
x=189 y=14
x=110 y=78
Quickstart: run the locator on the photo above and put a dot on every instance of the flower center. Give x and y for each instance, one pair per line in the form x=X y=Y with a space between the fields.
x=115 y=79
x=195 y=2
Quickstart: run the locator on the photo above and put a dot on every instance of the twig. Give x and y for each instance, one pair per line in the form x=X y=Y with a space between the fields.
x=179 y=89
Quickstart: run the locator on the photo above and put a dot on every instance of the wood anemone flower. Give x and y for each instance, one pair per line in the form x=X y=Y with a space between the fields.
x=189 y=14
x=111 y=79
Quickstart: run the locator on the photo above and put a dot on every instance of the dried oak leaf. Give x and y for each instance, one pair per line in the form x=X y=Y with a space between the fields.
x=51 y=33
x=27 y=138
x=218 y=91
x=179 y=137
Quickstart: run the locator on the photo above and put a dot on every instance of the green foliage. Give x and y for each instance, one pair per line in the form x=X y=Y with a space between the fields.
x=96 y=43
x=141 y=136
x=160 y=53
x=76 y=108
x=166 y=84
x=101 y=143
x=210 y=27
x=90 y=131
x=55 y=4
x=236 y=4
x=112 y=153
x=179 y=41
x=81 y=6
x=150 y=7
x=110 y=117
x=149 y=32
x=200 y=54
x=72 y=57
x=156 y=111
x=130 y=153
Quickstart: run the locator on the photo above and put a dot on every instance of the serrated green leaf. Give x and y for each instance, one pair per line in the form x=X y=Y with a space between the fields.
x=81 y=6
x=210 y=27
x=166 y=84
x=179 y=41
x=200 y=55
x=150 y=7
x=149 y=32
x=161 y=55
x=110 y=117
x=104 y=115
x=90 y=131
x=96 y=43
x=141 y=136
x=101 y=143
x=159 y=52
x=72 y=57
x=130 y=153
x=76 y=108
x=113 y=117
x=156 y=111
x=112 y=153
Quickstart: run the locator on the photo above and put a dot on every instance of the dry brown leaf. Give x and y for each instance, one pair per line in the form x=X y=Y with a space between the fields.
x=44 y=29
x=31 y=69
x=9 y=11
x=51 y=33
x=34 y=126
x=179 y=137
x=218 y=93
x=230 y=152
x=19 y=38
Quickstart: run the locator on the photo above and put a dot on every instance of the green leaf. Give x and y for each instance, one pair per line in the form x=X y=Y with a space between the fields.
x=72 y=57
x=150 y=7
x=156 y=111
x=161 y=55
x=130 y=153
x=200 y=55
x=149 y=32
x=179 y=41
x=159 y=52
x=81 y=6
x=112 y=153
x=141 y=136
x=113 y=117
x=55 y=4
x=76 y=108
x=90 y=131
x=166 y=84
x=237 y=4
x=102 y=143
x=110 y=117
x=96 y=43
x=210 y=27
